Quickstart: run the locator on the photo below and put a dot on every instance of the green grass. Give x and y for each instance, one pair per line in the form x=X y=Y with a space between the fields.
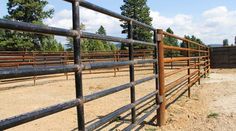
x=150 y=129
x=212 y=115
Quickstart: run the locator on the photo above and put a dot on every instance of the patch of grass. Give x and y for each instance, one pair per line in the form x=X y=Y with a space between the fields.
x=212 y=115
x=150 y=129
x=95 y=87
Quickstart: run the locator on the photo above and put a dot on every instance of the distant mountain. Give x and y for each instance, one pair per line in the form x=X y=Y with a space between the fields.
x=118 y=45
x=215 y=45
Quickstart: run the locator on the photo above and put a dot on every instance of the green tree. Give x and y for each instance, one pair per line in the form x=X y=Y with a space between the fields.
x=171 y=42
x=108 y=46
x=193 y=46
x=101 y=31
x=225 y=42
x=138 y=10
x=30 y=11
x=89 y=45
x=84 y=42
x=50 y=44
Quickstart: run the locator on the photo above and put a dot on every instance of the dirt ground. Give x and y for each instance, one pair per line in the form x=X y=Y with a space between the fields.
x=212 y=105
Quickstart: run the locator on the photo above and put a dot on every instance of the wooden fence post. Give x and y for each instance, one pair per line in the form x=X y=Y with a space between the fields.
x=161 y=111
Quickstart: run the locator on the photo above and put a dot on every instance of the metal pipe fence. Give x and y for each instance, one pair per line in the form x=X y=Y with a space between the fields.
x=157 y=60
x=13 y=60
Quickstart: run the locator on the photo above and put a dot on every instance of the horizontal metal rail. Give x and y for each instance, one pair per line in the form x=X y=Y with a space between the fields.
x=180 y=70
x=117 y=89
x=182 y=49
x=32 y=71
x=184 y=39
x=140 y=120
x=94 y=7
x=40 y=29
x=114 y=39
x=179 y=81
x=120 y=111
x=169 y=60
x=27 y=117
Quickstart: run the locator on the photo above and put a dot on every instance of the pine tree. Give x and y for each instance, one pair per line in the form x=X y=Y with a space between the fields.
x=138 y=10
x=171 y=42
x=101 y=30
x=225 y=42
x=30 y=11
x=90 y=45
x=108 y=46
x=193 y=46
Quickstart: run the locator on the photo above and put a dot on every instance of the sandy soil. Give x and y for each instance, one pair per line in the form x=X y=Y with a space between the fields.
x=212 y=105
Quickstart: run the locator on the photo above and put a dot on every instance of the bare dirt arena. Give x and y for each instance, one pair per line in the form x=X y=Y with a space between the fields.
x=212 y=105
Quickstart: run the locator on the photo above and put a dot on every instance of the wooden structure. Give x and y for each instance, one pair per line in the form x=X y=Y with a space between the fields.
x=223 y=57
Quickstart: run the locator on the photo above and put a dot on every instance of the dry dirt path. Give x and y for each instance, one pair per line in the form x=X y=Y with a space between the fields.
x=212 y=106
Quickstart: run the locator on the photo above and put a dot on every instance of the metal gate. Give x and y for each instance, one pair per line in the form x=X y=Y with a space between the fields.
x=78 y=67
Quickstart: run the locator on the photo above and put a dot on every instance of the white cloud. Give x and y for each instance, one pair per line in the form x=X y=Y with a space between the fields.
x=91 y=19
x=49 y=6
x=213 y=26
x=62 y=19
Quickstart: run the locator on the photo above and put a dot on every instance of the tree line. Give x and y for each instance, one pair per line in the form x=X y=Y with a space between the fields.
x=33 y=11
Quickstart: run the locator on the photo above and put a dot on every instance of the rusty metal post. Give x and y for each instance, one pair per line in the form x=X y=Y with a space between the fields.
x=161 y=111
x=115 y=60
x=156 y=69
x=205 y=63
x=65 y=55
x=189 y=70
x=118 y=59
x=131 y=70
x=208 y=62
x=199 y=66
x=77 y=60
x=34 y=61
x=171 y=53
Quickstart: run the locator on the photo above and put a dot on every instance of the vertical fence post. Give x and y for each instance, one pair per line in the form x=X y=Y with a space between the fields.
x=205 y=63
x=65 y=61
x=77 y=60
x=199 y=66
x=156 y=69
x=189 y=69
x=118 y=59
x=171 y=55
x=131 y=69
x=115 y=60
x=161 y=110
x=34 y=62
x=209 y=62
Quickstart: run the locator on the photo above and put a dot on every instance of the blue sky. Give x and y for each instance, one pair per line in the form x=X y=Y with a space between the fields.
x=211 y=20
